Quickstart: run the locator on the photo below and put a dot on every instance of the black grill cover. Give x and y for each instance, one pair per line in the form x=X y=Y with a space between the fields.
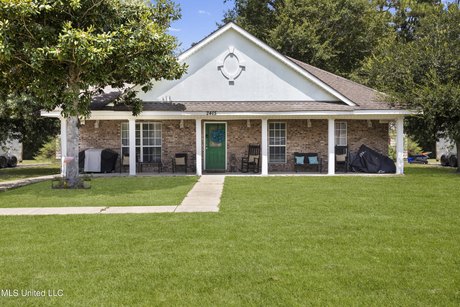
x=108 y=160
x=367 y=160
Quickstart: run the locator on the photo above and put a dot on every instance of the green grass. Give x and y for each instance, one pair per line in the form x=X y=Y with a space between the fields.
x=35 y=162
x=116 y=191
x=361 y=241
x=7 y=174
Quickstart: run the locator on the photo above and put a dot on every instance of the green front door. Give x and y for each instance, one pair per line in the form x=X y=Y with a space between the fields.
x=215 y=146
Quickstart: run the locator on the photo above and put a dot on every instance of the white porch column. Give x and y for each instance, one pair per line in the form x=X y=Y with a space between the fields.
x=400 y=145
x=132 y=147
x=199 y=148
x=330 y=146
x=63 y=145
x=264 y=145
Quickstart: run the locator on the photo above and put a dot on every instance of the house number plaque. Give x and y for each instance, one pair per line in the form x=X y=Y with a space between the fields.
x=211 y=113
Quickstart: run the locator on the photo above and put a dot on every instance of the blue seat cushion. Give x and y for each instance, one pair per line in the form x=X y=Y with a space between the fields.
x=313 y=160
x=299 y=160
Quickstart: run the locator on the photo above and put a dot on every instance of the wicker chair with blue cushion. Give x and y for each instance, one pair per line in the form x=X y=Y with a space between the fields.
x=309 y=160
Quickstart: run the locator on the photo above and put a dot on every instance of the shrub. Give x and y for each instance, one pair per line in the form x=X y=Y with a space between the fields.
x=48 y=150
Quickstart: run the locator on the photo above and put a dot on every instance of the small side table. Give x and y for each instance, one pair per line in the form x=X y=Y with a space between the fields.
x=152 y=164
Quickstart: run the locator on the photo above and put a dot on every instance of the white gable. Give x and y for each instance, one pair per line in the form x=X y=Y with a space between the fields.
x=232 y=67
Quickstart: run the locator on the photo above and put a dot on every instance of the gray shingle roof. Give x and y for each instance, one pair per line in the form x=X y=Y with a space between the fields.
x=365 y=97
x=241 y=106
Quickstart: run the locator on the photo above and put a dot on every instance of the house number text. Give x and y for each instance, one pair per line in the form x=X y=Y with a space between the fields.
x=211 y=113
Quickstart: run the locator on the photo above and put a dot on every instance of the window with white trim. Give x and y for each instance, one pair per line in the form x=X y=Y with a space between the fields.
x=148 y=141
x=277 y=142
x=341 y=133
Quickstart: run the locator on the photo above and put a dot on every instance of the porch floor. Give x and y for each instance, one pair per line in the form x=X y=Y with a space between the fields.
x=236 y=174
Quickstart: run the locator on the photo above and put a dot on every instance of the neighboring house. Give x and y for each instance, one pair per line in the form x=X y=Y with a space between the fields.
x=239 y=91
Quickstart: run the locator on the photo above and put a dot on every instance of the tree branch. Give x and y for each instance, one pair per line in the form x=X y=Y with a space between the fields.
x=28 y=64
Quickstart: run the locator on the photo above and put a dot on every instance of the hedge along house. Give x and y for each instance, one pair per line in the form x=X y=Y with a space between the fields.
x=239 y=91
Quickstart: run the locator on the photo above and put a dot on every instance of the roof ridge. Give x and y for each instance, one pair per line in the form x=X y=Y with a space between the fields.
x=204 y=38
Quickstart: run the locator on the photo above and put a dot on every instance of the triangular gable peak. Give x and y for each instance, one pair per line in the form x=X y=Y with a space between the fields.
x=233 y=65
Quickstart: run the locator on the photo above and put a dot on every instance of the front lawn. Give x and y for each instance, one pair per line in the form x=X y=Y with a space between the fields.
x=25 y=171
x=341 y=241
x=116 y=191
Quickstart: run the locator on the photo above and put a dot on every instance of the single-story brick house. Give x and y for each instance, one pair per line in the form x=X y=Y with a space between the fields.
x=250 y=94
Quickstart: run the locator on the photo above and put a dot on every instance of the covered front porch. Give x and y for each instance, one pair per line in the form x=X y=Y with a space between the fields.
x=279 y=138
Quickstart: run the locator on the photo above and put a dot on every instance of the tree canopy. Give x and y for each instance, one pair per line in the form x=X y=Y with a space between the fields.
x=333 y=35
x=63 y=53
x=55 y=51
x=423 y=73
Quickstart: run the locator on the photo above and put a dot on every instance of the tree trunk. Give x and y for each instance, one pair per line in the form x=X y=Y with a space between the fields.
x=73 y=137
x=73 y=133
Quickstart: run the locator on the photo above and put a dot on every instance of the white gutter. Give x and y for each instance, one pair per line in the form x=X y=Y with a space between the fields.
x=124 y=115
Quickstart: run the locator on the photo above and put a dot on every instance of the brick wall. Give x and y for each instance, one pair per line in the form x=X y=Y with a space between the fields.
x=177 y=140
x=300 y=138
x=174 y=138
x=375 y=137
x=108 y=135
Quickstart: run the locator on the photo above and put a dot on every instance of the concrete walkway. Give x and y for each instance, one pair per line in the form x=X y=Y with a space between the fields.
x=203 y=197
x=6 y=185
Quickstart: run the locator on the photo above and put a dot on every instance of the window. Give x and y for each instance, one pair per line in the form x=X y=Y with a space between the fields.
x=148 y=141
x=277 y=142
x=341 y=133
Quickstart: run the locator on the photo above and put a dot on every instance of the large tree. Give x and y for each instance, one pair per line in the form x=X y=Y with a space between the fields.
x=256 y=16
x=62 y=53
x=405 y=14
x=333 y=35
x=423 y=73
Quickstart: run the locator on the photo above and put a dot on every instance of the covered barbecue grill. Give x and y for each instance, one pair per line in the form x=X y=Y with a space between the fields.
x=368 y=160
x=106 y=162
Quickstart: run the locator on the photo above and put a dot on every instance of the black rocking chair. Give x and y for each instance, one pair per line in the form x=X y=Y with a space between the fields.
x=252 y=161
x=342 y=157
